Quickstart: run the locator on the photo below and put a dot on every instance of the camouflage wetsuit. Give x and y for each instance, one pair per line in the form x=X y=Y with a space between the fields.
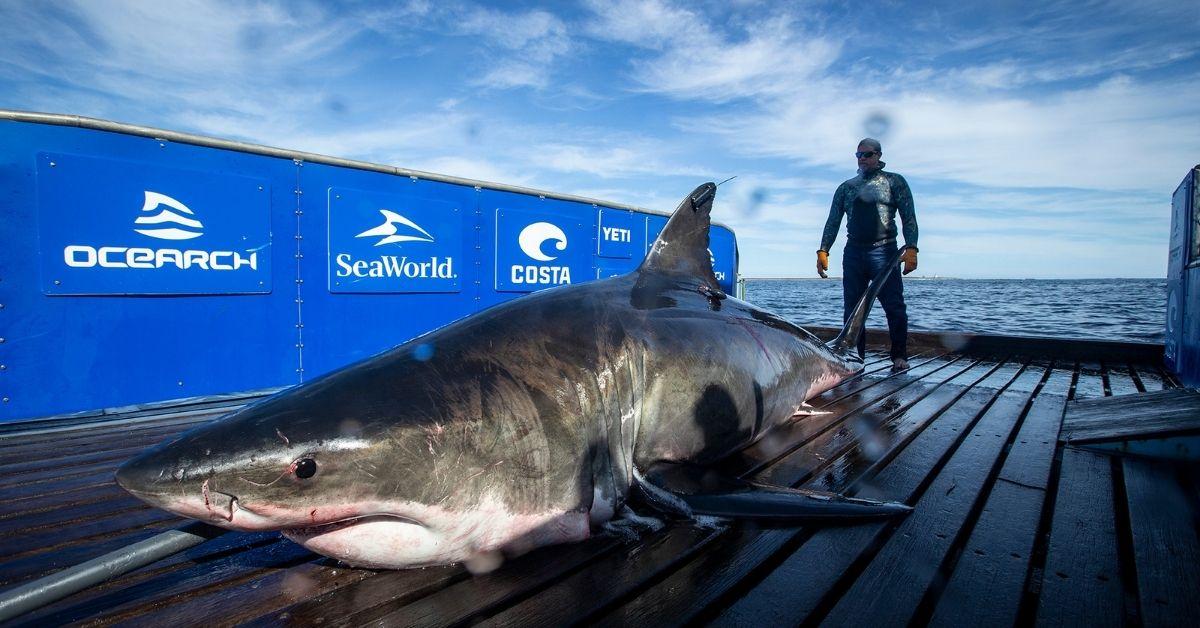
x=871 y=203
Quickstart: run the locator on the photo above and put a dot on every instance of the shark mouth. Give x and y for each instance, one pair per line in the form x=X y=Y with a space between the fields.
x=341 y=524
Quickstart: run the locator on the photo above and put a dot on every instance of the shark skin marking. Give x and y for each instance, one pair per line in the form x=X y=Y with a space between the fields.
x=532 y=423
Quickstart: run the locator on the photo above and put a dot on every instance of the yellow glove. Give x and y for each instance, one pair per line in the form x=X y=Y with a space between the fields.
x=822 y=263
x=909 y=257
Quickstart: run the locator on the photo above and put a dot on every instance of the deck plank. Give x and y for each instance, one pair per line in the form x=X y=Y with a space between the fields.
x=1120 y=380
x=836 y=404
x=822 y=559
x=326 y=601
x=1081 y=581
x=891 y=587
x=804 y=462
x=124 y=601
x=12 y=452
x=1150 y=377
x=1091 y=381
x=1161 y=413
x=36 y=504
x=988 y=580
x=1165 y=545
x=572 y=594
x=219 y=547
x=105 y=431
x=44 y=540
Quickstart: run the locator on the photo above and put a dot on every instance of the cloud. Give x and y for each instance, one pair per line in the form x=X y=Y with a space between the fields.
x=1085 y=138
x=524 y=47
x=693 y=60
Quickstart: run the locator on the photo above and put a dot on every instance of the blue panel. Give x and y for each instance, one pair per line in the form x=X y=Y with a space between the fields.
x=1189 y=345
x=1176 y=271
x=393 y=243
x=621 y=234
x=541 y=244
x=1186 y=284
x=115 y=226
x=346 y=323
x=71 y=353
x=723 y=250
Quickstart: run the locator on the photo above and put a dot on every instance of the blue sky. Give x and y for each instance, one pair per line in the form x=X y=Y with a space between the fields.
x=1041 y=139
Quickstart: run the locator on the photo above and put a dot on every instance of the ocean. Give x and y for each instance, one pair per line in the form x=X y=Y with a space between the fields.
x=1098 y=309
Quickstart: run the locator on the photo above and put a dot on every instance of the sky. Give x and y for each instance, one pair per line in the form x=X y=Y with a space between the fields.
x=1040 y=139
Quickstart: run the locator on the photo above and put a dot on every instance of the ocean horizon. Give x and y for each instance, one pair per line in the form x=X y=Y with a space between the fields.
x=1130 y=310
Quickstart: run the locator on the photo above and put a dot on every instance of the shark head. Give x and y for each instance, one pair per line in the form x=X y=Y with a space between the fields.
x=344 y=467
x=270 y=467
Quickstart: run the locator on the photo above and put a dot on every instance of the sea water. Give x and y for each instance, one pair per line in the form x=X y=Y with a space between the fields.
x=1098 y=309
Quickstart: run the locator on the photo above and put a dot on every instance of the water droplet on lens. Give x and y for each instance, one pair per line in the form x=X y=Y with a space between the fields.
x=877 y=124
x=423 y=352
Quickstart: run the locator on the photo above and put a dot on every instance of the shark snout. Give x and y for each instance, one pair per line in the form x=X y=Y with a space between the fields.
x=172 y=486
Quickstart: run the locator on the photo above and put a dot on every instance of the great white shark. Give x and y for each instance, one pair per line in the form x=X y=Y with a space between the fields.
x=529 y=423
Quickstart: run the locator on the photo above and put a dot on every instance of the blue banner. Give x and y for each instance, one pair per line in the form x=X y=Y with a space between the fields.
x=110 y=226
x=722 y=250
x=538 y=249
x=393 y=243
x=620 y=234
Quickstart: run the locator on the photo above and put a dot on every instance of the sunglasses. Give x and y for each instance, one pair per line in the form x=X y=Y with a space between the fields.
x=865 y=154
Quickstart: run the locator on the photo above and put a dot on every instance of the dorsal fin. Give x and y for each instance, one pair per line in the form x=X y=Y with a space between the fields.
x=682 y=247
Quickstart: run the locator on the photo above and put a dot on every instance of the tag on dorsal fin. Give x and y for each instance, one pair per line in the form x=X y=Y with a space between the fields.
x=682 y=247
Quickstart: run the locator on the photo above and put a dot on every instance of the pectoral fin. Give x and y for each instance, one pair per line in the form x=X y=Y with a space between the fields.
x=705 y=492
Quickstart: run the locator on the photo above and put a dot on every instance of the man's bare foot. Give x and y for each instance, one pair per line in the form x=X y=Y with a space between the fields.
x=899 y=364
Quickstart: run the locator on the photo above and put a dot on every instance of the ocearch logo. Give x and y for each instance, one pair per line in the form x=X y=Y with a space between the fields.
x=88 y=256
x=388 y=230
x=153 y=201
x=712 y=259
x=532 y=239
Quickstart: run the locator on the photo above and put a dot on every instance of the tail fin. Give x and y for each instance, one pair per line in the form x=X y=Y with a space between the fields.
x=846 y=341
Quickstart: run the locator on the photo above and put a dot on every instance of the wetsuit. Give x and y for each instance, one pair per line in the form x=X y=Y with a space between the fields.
x=871 y=202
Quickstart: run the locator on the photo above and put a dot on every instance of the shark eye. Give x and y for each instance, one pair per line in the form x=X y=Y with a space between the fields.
x=306 y=468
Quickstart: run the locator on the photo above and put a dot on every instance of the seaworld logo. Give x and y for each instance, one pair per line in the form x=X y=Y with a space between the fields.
x=388 y=230
x=532 y=240
x=395 y=266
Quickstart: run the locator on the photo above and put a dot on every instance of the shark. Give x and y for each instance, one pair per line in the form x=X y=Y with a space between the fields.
x=534 y=422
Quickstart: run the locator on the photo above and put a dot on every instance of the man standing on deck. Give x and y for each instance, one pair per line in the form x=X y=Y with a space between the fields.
x=871 y=201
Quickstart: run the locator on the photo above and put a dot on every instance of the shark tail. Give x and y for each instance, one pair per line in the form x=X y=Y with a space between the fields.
x=847 y=341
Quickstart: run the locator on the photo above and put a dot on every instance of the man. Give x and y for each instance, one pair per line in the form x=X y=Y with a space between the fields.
x=871 y=201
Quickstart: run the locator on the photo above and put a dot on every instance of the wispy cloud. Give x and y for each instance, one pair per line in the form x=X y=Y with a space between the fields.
x=695 y=60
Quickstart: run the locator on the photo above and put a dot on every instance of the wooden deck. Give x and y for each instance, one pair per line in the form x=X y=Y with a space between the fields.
x=1011 y=526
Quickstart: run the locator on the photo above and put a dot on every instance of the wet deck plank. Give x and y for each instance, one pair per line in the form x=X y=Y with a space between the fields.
x=1165 y=412
x=1081 y=582
x=1162 y=518
x=1010 y=524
